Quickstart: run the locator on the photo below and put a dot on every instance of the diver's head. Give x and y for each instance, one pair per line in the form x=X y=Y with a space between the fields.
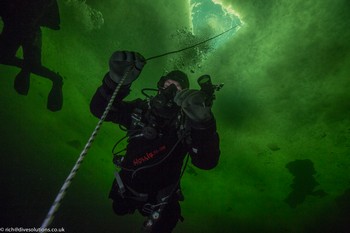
x=176 y=77
x=163 y=104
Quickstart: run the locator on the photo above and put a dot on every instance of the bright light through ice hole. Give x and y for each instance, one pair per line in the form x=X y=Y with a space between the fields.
x=210 y=18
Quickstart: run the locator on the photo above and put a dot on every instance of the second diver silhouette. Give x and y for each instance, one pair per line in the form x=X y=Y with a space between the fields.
x=304 y=182
x=23 y=20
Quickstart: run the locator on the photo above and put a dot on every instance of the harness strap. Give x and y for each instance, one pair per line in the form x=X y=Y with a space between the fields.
x=143 y=197
x=138 y=196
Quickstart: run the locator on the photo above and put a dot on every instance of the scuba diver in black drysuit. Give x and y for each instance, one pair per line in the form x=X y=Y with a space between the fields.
x=22 y=21
x=161 y=131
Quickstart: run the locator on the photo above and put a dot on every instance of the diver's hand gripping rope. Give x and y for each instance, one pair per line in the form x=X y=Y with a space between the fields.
x=55 y=205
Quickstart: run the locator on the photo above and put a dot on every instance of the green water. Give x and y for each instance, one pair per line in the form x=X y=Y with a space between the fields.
x=285 y=100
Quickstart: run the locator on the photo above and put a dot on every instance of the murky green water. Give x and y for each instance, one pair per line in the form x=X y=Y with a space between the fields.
x=283 y=118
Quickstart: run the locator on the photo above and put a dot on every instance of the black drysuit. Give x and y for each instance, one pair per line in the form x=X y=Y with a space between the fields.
x=151 y=166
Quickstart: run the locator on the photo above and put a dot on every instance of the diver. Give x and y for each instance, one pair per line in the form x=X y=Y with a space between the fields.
x=23 y=20
x=161 y=131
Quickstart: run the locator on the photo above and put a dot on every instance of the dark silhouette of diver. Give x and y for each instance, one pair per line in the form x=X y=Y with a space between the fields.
x=22 y=21
x=161 y=130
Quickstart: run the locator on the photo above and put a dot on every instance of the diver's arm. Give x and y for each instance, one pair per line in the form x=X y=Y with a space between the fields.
x=120 y=110
x=124 y=68
x=204 y=148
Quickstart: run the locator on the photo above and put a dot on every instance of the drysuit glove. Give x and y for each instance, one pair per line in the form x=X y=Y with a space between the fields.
x=125 y=61
x=193 y=104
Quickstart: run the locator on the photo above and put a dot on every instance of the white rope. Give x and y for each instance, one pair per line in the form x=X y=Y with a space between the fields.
x=55 y=205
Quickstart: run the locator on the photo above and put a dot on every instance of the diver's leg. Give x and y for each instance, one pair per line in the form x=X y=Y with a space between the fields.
x=32 y=64
x=121 y=205
x=55 y=97
x=9 y=44
x=31 y=58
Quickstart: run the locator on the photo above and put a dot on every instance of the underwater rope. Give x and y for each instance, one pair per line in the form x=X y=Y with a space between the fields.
x=192 y=46
x=55 y=205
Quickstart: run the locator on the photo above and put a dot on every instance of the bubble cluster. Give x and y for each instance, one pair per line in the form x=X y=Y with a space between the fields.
x=92 y=19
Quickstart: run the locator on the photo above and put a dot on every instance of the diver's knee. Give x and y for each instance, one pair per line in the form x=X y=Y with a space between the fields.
x=58 y=80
